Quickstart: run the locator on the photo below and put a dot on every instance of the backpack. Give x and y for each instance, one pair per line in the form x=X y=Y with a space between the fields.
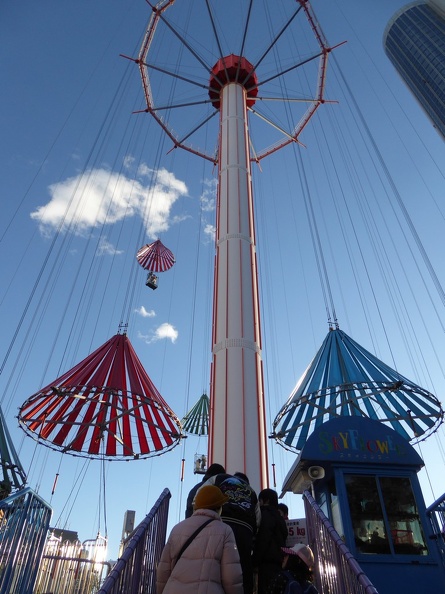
x=292 y=586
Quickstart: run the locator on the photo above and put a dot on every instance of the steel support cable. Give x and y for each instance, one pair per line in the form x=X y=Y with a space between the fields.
x=301 y=178
x=130 y=295
x=129 y=301
x=103 y=493
x=58 y=135
x=359 y=246
x=410 y=288
x=340 y=220
x=171 y=95
x=57 y=475
x=264 y=224
x=78 y=479
x=425 y=468
x=35 y=286
x=315 y=238
x=349 y=160
x=408 y=120
x=205 y=362
x=375 y=244
x=369 y=231
x=396 y=193
x=353 y=268
x=317 y=246
x=90 y=275
x=352 y=150
x=60 y=253
x=215 y=33
x=89 y=168
x=57 y=235
x=132 y=284
x=246 y=27
x=195 y=287
x=194 y=301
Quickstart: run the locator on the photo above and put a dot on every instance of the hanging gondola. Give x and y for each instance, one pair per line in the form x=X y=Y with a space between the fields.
x=344 y=379
x=104 y=407
x=196 y=422
x=155 y=257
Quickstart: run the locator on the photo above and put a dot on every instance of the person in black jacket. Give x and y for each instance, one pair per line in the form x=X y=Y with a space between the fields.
x=242 y=513
x=212 y=470
x=271 y=537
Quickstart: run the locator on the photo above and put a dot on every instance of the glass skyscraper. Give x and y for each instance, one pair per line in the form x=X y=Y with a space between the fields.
x=414 y=41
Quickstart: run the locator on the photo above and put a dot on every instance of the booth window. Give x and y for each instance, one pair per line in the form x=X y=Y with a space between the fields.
x=384 y=515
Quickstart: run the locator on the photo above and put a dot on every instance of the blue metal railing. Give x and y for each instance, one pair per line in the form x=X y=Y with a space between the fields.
x=436 y=513
x=135 y=571
x=338 y=571
x=24 y=523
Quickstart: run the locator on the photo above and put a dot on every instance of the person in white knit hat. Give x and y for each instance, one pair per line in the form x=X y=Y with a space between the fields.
x=296 y=577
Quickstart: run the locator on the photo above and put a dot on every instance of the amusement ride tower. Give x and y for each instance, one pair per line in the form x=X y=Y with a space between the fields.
x=237 y=433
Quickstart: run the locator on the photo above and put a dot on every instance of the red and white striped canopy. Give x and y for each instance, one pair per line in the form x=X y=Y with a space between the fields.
x=104 y=407
x=155 y=257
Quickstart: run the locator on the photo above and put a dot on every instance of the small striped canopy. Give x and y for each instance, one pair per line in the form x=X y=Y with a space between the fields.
x=105 y=407
x=155 y=257
x=196 y=421
x=344 y=379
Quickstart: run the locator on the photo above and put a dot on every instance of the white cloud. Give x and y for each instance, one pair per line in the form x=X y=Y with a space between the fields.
x=164 y=331
x=144 y=170
x=98 y=196
x=128 y=161
x=144 y=313
x=208 y=196
x=210 y=230
x=105 y=248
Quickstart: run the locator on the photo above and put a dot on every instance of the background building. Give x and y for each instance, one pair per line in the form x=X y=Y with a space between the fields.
x=414 y=41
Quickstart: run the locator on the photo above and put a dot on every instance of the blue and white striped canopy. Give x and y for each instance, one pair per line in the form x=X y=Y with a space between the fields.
x=344 y=379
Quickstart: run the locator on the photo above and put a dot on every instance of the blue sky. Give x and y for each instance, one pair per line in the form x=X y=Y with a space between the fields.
x=85 y=183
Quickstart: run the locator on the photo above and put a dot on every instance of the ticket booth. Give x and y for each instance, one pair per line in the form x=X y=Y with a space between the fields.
x=363 y=475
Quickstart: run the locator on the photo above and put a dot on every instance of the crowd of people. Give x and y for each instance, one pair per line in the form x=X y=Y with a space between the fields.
x=233 y=542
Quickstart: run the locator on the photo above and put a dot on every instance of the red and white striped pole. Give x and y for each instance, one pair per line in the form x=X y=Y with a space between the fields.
x=237 y=436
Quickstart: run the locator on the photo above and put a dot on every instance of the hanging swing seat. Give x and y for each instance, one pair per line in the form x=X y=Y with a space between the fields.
x=152 y=281
x=200 y=464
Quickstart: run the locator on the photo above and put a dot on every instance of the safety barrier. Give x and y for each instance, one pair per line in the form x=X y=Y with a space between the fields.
x=70 y=567
x=337 y=570
x=135 y=571
x=436 y=514
x=24 y=523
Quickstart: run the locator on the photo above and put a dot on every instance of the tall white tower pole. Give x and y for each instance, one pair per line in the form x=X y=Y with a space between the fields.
x=237 y=436
x=237 y=433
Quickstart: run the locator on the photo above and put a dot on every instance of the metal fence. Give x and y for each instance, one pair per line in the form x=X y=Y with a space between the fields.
x=72 y=567
x=338 y=571
x=135 y=571
x=436 y=514
x=24 y=523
